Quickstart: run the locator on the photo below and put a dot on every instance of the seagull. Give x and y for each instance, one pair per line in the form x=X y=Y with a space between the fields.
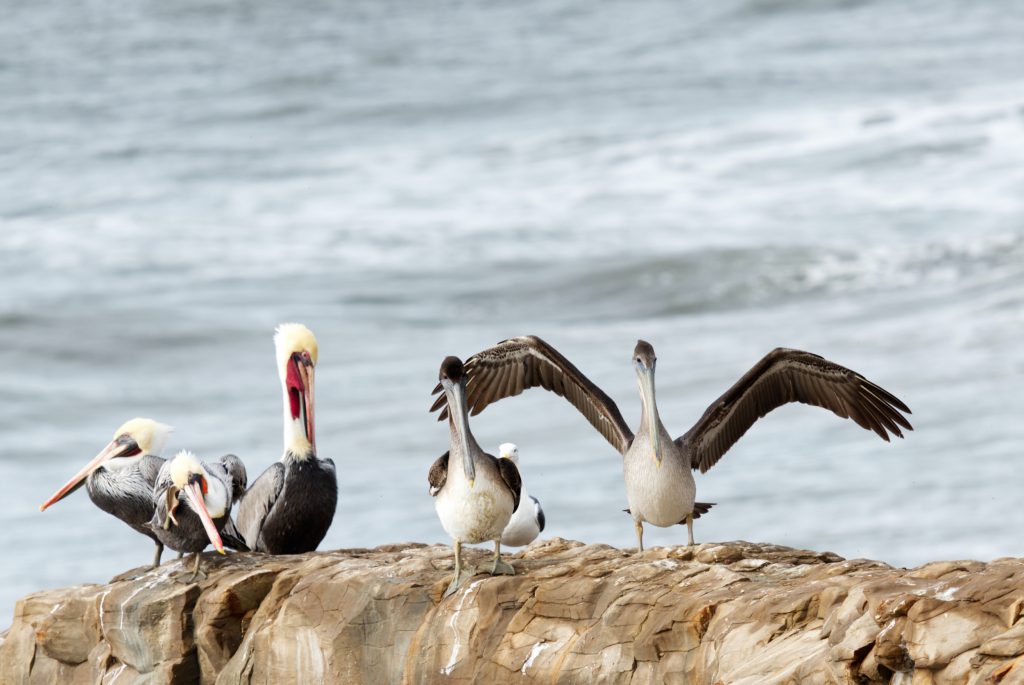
x=660 y=487
x=527 y=521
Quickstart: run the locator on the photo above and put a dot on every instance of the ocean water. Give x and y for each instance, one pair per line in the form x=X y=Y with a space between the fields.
x=413 y=180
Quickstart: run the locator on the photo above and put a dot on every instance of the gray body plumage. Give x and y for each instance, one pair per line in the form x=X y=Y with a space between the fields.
x=127 y=492
x=290 y=507
x=660 y=495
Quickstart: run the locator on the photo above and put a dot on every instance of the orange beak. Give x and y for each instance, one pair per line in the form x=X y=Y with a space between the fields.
x=113 y=449
x=195 y=496
x=306 y=374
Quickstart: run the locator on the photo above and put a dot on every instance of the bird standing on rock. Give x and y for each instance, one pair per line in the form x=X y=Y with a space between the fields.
x=657 y=469
x=474 y=493
x=290 y=507
x=193 y=504
x=527 y=521
x=120 y=478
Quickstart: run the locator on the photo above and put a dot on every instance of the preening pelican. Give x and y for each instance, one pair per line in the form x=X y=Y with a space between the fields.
x=474 y=493
x=291 y=505
x=527 y=521
x=207 y=491
x=120 y=478
x=657 y=469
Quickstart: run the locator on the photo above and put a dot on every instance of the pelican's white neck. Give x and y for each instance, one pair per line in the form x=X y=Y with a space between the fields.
x=296 y=445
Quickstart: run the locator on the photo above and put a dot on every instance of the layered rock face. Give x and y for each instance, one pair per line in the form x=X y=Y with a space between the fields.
x=735 y=614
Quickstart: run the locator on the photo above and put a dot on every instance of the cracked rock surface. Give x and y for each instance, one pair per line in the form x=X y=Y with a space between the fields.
x=732 y=614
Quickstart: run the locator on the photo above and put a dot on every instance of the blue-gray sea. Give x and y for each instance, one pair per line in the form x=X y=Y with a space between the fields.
x=419 y=179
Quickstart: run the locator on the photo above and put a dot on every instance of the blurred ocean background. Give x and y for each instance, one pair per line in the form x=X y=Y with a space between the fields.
x=418 y=179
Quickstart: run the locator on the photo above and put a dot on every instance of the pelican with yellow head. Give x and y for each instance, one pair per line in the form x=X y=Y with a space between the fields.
x=290 y=507
x=193 y=504
x=120 y=478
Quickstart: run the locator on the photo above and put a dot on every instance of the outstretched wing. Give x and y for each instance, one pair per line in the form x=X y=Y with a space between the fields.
x=511 y=366
x=257 y=502
x=785 y=376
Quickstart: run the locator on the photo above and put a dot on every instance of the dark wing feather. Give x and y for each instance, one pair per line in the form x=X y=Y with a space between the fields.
x=514 y=365
x=438 y=474
x=699 y=508
x=232 y=537
x=785 y=376
x=539 y=512
x=257 y=502
x=510 y=474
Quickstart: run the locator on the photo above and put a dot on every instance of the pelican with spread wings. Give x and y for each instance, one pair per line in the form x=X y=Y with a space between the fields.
x=657 y=469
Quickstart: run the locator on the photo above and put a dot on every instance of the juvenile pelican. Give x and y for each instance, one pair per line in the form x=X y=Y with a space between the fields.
x=207 y=492
x=120 y=478
x=291 y=505
x=527 y=521
x=659 y=486
x=474 y=498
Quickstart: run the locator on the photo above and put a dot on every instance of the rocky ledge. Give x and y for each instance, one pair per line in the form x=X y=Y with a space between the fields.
x=734 y=613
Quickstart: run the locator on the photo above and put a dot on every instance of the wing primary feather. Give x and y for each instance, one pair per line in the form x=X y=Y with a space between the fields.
x=514 y=365
x=783 y=376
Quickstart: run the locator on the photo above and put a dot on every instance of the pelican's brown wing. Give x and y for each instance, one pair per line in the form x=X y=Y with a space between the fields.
x=510 y=474
x=784 y=376
x=438 y=475
x=514 y=365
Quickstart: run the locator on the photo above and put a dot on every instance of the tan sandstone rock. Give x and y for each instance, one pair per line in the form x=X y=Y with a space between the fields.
x=728 y=613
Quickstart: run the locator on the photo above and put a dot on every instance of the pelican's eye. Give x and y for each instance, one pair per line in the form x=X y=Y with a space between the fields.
x=198 y=478
x=131 y=447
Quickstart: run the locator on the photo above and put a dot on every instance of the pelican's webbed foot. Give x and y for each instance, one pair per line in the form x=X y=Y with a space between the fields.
x=197 y=574
x=501 y=568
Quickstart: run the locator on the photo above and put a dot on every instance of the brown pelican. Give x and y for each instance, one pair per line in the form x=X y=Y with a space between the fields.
x=207 y=492
x=120 y=478
x=659 y=486
x=527 y=521
x=475 y=498
x=291 y=505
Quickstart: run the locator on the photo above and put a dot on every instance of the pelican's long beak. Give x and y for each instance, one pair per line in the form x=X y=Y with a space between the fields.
x=195 y=496
x=306 y=373
x=646 y=378
x=457 y=413
x=113 y=449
